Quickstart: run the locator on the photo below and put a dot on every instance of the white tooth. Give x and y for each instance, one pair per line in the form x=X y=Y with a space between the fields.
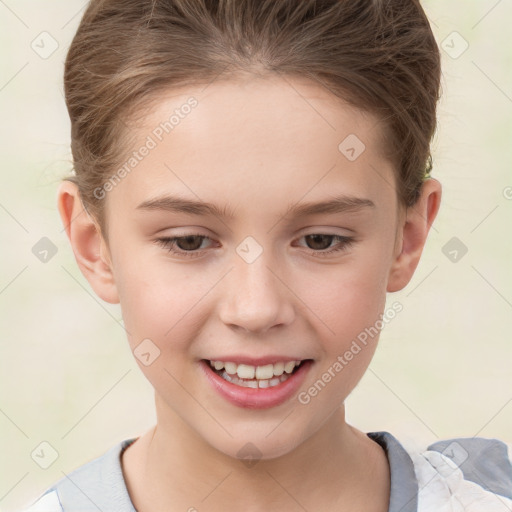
x=265 y=372
x=230 y=368
x=245 y=371
x=254 y=383
x=226 y=376
x=297 y=363
x=218 y=365
x=274 y=382
x=279 y=368
x=288 y=367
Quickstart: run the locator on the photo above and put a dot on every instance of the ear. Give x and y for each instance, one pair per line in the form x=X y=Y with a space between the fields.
x=91 y=251
x=413 y=234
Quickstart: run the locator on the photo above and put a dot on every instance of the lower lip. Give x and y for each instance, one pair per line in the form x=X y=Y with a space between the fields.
x=256 y=398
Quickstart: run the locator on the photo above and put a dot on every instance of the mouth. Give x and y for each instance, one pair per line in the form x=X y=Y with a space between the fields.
x=252 y=376
x=256 y=386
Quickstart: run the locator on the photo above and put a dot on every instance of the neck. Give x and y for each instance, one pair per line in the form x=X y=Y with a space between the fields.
x=182 y=471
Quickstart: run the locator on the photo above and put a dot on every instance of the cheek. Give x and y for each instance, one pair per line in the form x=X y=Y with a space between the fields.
x=157 y=302
x=349 y=303
x=349 y=297
x=160 y=320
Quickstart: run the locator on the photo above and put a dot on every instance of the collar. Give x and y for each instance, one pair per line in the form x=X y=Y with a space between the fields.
x=404 y=484
x=107 y=474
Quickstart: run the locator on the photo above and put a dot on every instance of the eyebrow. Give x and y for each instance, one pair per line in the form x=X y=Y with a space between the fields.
x=339 y=204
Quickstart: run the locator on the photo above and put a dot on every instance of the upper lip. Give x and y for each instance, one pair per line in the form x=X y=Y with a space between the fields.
x=255 y=361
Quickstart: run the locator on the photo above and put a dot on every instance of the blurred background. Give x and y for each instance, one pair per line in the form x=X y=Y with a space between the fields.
x=71 y=389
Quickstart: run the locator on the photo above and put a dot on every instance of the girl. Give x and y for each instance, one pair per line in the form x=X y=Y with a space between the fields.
x=252 y=177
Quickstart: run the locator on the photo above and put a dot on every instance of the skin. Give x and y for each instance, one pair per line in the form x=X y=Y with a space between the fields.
x=235 y=151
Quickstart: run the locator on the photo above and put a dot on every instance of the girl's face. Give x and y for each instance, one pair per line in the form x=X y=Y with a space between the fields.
x=286 y=255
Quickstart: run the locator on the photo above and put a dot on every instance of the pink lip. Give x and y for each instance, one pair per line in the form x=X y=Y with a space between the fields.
x=256 y=398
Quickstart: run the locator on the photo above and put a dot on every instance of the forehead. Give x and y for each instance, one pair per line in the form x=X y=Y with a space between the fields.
x=256 y=109
x=281 y=137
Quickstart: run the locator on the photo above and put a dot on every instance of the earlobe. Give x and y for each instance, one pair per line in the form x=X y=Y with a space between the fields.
x=89 y=247
x=419 y=219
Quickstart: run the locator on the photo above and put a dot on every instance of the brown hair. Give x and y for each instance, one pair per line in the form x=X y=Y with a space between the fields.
x=378 y=55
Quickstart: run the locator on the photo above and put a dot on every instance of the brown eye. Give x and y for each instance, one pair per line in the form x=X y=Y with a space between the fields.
x=319 y=242
x=189 y=243
x=186 y=246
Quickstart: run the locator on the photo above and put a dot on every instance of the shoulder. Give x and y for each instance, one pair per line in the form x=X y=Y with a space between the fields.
x=99 y=481
x=464 y=474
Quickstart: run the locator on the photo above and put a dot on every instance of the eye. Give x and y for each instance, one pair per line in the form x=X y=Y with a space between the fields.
x=191 y=246
x=320 y=242
x=188 y=245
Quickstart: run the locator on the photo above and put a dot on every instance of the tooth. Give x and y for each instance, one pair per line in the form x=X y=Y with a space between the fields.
x=288 y=367
x=254 y=383
x=279 y=368
x=226 y=376
x=265 y=372
x=230 y=368
x=245 y=371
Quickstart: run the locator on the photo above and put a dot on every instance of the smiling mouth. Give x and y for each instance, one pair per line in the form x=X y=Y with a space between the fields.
x=248 y=376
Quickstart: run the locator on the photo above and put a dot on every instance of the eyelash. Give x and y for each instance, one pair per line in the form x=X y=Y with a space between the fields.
x=170 y=242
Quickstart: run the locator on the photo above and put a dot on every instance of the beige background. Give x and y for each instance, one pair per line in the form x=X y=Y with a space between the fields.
x=443 y=365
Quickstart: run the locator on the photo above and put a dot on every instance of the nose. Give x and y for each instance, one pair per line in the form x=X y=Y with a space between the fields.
x=255 y=297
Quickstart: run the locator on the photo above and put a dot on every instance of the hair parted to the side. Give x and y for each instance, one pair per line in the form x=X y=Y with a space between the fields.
x=378 y=55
